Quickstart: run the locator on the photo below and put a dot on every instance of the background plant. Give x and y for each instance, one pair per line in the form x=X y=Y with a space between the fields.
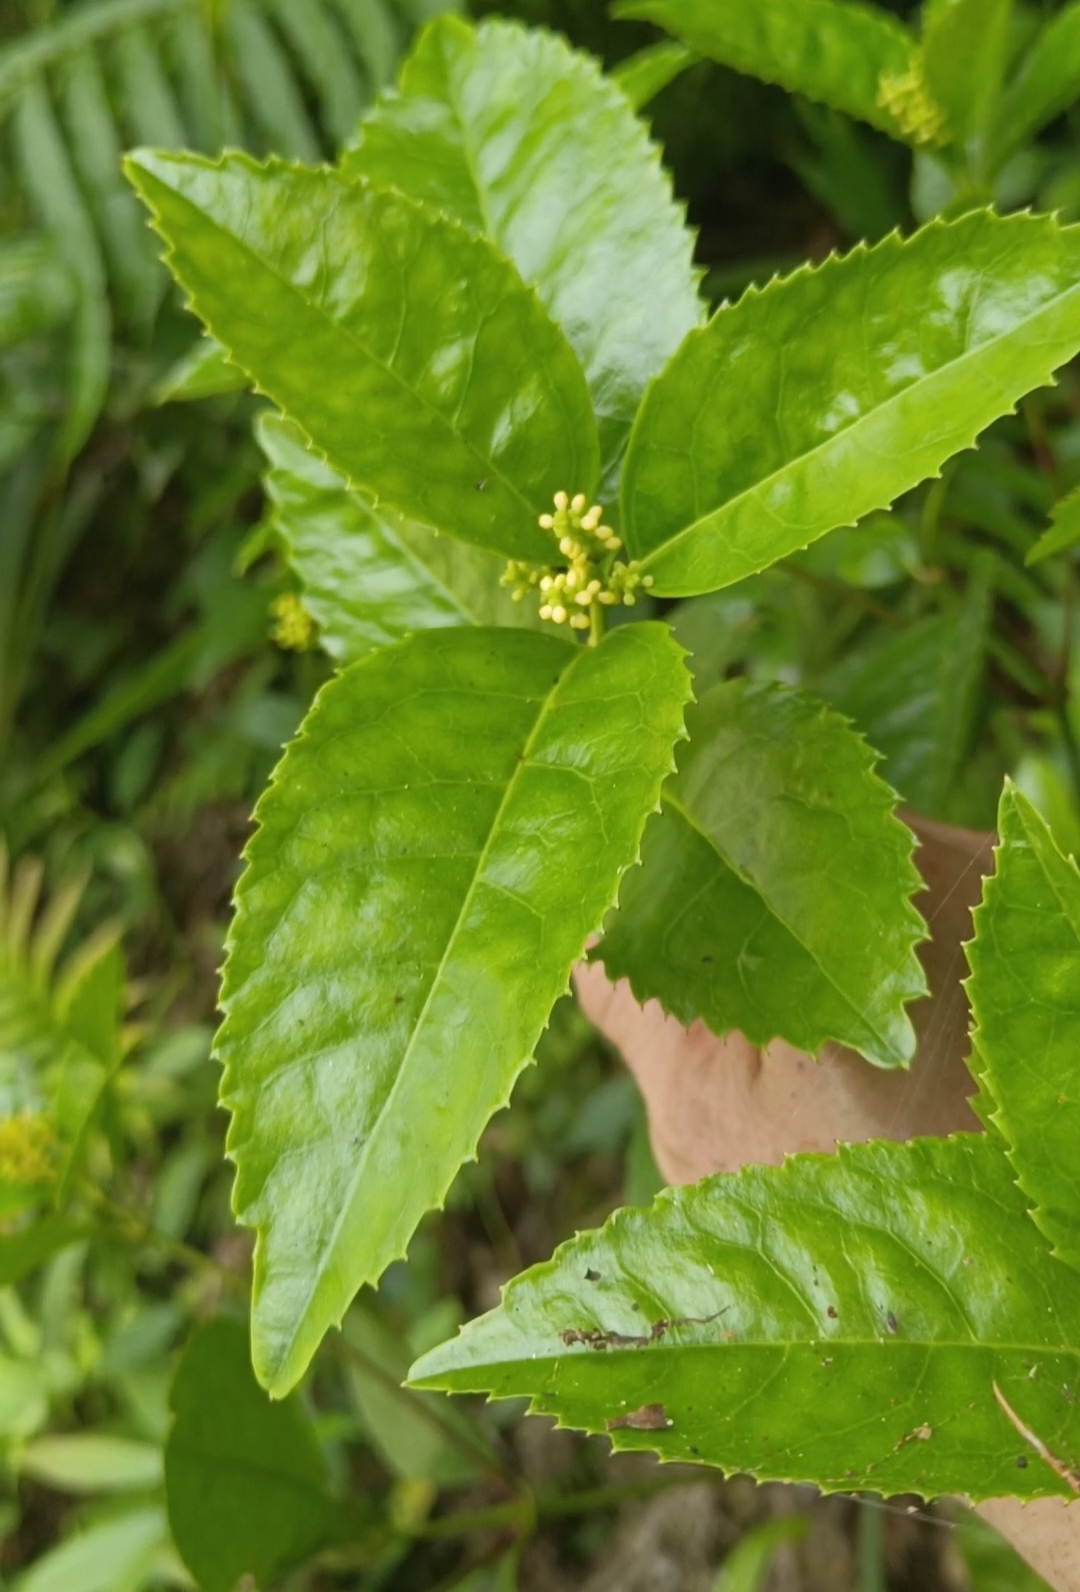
x=148 y=774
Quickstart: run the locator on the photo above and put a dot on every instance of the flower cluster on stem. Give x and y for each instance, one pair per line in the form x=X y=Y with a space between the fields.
x=592 y=578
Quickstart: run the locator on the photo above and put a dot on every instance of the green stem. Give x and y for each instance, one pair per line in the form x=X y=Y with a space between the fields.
x=596 y=624
x=871 y=1547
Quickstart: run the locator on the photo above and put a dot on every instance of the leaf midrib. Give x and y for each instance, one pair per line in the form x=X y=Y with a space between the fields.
x=342 y=330
x=361 y=1161
x=669 y=799
x=528 y=1360
x=792 y=466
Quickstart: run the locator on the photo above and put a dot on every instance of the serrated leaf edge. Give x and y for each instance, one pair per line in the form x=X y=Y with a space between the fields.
x=281 y=1384
x=920 y=932
x=778 y=283
x=273 y=163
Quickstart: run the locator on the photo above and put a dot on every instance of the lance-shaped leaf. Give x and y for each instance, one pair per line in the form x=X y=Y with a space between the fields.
x=1025 y=993
x=523 y=139
x=1047 y=82
x=808 y=404
x=407 y=348
x=965 y=50
x=1063 y=531
x=371 y=577
x=840 y=1320
x=834 y=51
x=432 y=855
x=774 y=892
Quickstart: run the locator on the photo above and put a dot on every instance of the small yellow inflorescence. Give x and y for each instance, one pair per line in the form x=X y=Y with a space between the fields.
x=293 y=626
x=27 y=1142
x=908 y=100
x=592 y=576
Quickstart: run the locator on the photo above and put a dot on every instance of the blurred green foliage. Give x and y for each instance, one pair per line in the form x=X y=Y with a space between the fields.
x=143 y=702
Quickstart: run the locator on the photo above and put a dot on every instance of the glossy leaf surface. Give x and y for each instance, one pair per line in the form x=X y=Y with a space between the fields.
x=835 y=51
x=409 y=351
x=824 y=396
x=244 y=1478
x=523 y=139
x=1063 y=531
x=774 y=892
x=369 y=576
x=841 y=1319
x=435 y=850
x=1025 y=993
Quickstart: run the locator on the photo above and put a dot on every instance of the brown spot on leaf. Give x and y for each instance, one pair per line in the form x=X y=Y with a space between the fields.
x=649 y=1418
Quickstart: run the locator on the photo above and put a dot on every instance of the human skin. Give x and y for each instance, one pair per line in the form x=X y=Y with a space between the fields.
x=717 y=1104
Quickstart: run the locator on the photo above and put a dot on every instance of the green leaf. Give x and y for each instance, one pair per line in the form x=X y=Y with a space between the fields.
x=1062 y=533
x=824 y=396
x=24 y=1398
x=36 y=290
x=1023 y=992
x=496 y=126
x=245 y=1479
x=91 y=1462
x=746 y=1566
x=643 y=75
x=417 y=1436
x=965 y=50
x=915 y=695
x=408 y=350
x=111 y=1554
x=840 y=1320
x=835 y=51
x=369 y=576
x=269 y=89
x=23 y=1252
x=1047 y=82
x=54 y=193
x=991 y=1564
x=96 y=146
x=774 y=892
x=204 y=371
x=432 y=856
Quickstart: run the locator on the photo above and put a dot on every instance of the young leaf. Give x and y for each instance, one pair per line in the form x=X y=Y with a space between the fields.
x=92 y=1462
x=774 y=892
x=808 y=404
x=841 y=1320
x=203 y=372
x=1024 y=995
x=1047 y=82
x=835 y=51
x=369 y=576
x=643 y=75
x=1063 y=531
x=410 y=352
x=435 y=850
x=496 y=125
x=244 y=1478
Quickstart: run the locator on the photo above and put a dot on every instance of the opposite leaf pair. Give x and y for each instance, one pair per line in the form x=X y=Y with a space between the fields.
x=456 y=817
